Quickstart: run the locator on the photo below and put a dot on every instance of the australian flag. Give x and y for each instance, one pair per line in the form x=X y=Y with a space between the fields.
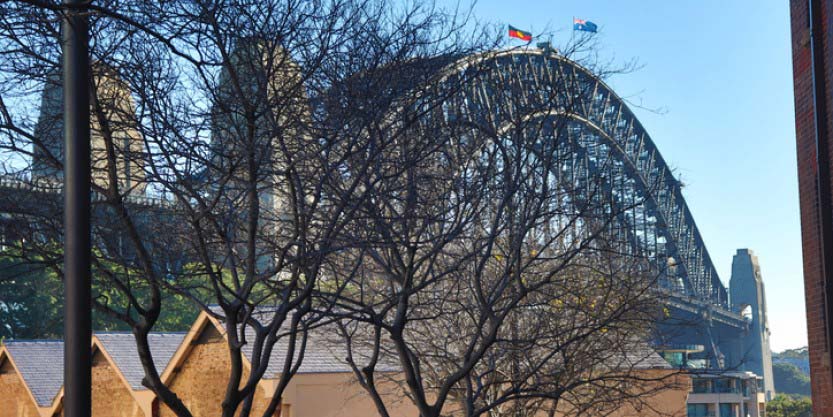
x=584 y=25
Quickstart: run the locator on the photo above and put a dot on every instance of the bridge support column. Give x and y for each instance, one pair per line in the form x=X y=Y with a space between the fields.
x=746 y=293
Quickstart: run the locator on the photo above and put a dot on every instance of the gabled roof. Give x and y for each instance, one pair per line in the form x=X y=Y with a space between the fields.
x=643 y=356
x=41 y=365
x=121 y=348
x=323 y=354
x=631 y=354
x=41 y=362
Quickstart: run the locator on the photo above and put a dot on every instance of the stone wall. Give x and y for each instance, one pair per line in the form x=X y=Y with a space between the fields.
x=200 y=381
x=339 y=395
x=111 y=396
x=15 y=401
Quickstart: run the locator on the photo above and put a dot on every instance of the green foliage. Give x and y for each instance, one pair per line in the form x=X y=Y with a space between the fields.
x=799 y=353
x=789 y=379
x=31 y=304
x=789 y=406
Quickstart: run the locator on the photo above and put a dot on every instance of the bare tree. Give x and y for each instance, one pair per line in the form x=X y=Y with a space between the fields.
x=496 y=268
x=233 y=142
x=297 y=162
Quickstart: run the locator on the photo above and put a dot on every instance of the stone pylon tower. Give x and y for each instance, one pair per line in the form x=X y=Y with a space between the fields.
x=259 y=110
x=746 y=289
x=111 y=102
x=258 y=115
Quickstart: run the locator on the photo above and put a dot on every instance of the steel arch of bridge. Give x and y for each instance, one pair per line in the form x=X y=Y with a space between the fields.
x=598 y=110
x=545 y=77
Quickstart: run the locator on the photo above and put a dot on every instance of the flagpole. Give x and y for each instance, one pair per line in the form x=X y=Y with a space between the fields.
x=572 y=34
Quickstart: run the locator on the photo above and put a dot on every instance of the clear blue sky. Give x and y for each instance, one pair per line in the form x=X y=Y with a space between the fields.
x=723 y=71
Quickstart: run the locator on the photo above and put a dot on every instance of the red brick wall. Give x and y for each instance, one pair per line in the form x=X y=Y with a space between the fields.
x=821 y=375
x=15 y=400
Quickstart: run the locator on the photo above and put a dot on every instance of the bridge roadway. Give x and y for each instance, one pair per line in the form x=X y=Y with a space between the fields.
x=42 y=202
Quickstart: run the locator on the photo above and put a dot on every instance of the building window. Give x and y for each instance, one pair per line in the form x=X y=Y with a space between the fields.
x=727 y=410
x=698 y=410
x=725 y=386
x=701 y=386
x=676 y=359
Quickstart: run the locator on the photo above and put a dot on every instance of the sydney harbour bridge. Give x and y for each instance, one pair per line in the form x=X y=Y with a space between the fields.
x=726 y=327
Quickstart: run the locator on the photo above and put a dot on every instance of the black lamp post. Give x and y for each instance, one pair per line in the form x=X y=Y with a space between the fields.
x=77 y=306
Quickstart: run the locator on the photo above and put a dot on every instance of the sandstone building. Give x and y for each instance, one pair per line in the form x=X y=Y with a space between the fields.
x=31 y=375
x=196 y=365
x=323 y=387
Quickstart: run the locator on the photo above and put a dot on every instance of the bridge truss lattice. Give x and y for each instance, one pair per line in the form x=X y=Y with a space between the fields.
x=605 y=135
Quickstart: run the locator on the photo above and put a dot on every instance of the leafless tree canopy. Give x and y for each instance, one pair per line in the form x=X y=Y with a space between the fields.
x=494 y=271
x=322 y=160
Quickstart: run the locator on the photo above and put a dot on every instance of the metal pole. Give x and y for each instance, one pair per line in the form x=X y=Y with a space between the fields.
x=77 y=306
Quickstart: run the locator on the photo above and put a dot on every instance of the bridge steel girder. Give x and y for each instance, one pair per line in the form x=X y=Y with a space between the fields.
x=599 y=109
x=543 y=76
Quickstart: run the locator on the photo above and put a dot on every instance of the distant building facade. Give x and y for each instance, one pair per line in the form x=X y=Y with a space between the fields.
x=812 y=46
x=717 y=392
x=730 y=394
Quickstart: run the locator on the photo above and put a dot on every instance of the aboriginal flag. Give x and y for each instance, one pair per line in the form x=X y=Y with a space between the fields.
x=517 y=33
